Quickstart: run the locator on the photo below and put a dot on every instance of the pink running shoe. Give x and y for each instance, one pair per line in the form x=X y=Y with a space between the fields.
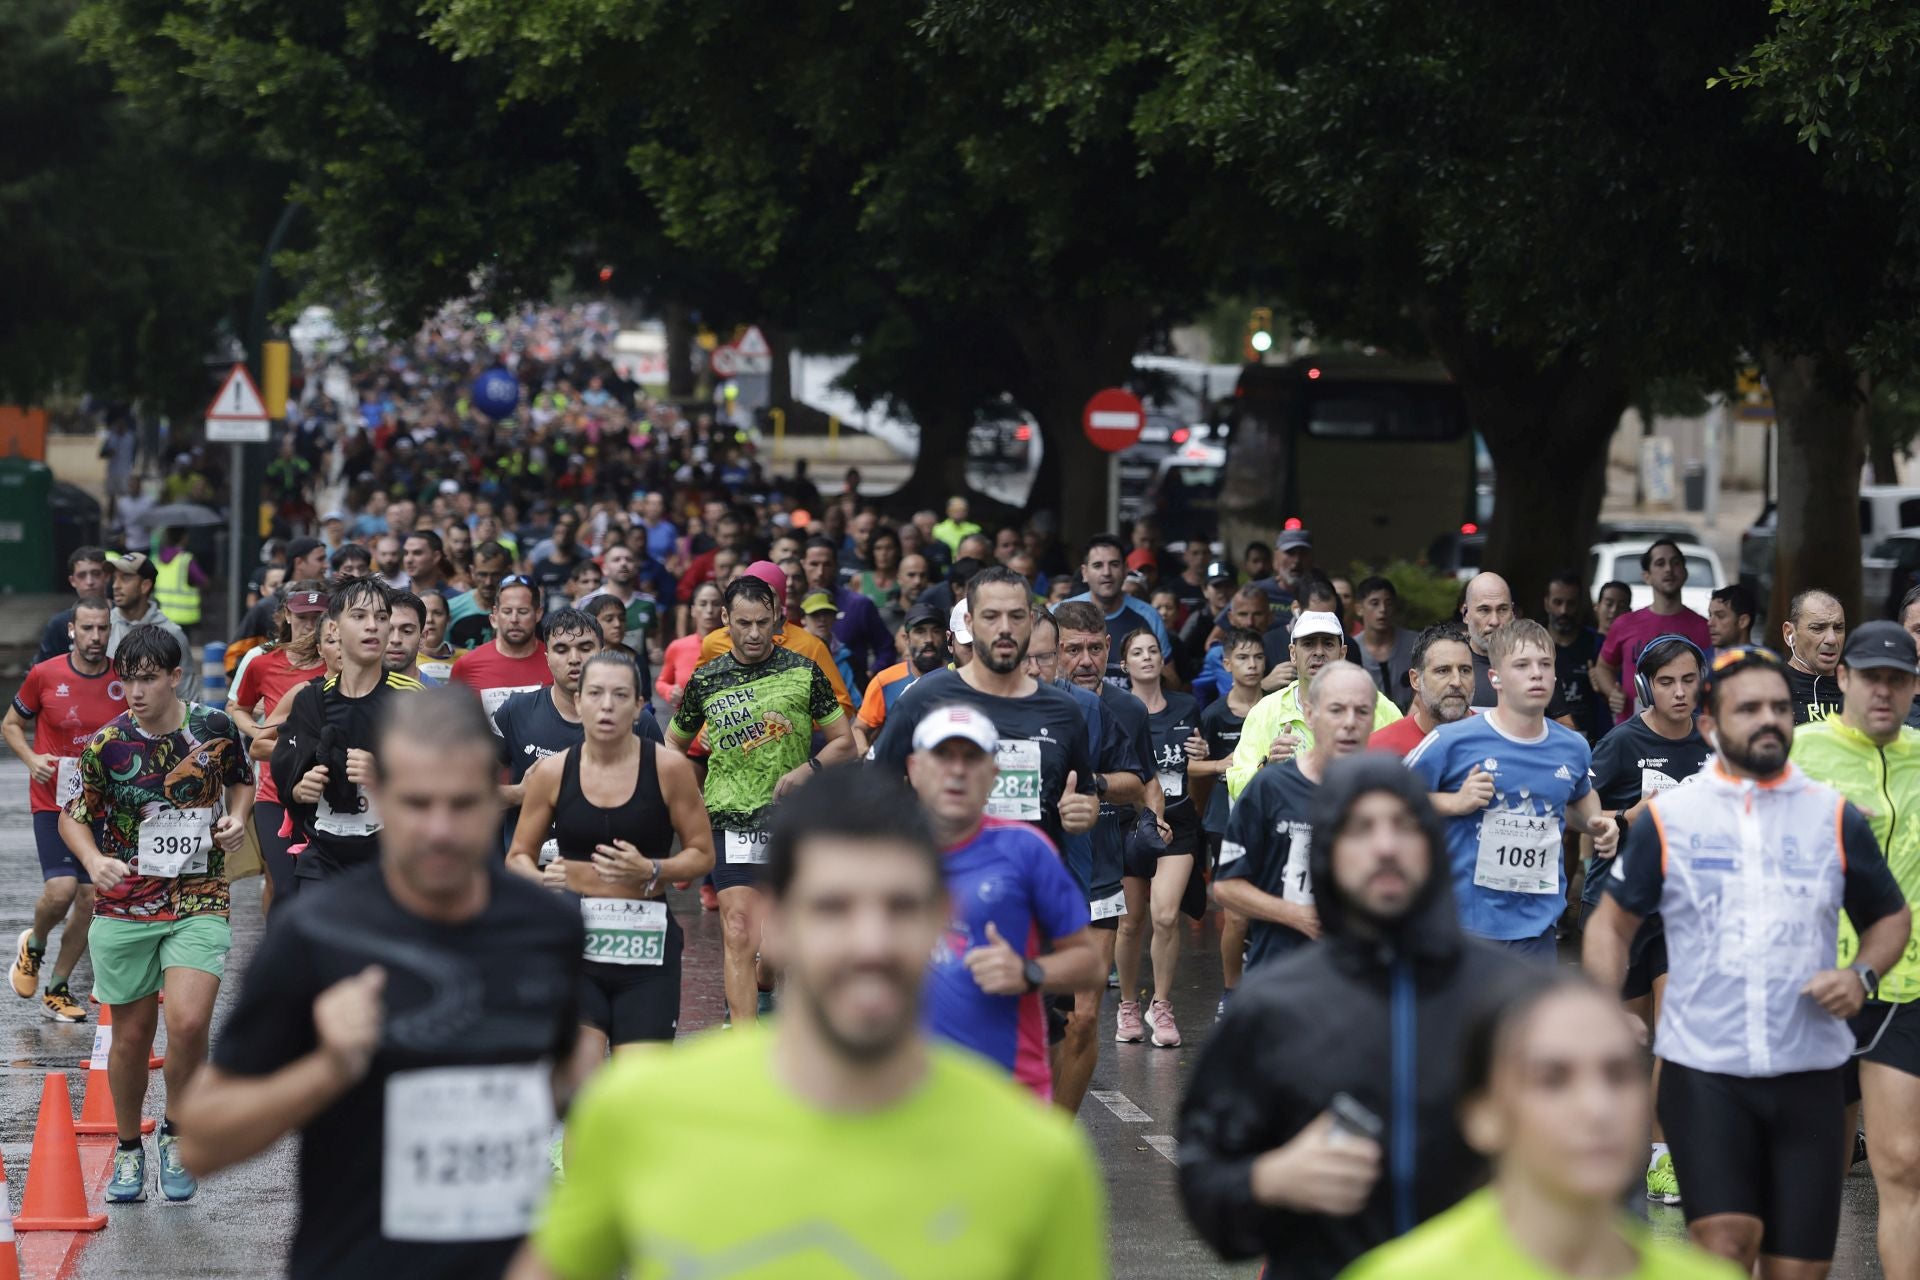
x=1160 y=1017
x=1130 y=1030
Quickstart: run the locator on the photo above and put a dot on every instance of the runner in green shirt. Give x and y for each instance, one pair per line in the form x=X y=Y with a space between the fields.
x=839 y=1140
x=760 y=704
x=1555 y=1094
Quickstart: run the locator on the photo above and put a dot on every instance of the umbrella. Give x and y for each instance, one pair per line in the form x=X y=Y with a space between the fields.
x=182 y=515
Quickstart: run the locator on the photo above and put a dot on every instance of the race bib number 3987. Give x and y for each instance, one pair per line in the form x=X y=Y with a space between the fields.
x=175 y=842
x=465 y=1156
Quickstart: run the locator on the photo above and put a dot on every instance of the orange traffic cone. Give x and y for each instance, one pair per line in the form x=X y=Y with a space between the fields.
x=9 y=1252
x=103 y=1040
x=96 y=1109
x=56 y=1197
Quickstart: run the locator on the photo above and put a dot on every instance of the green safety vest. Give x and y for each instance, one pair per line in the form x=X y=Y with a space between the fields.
x=1884 y=784
x=173 y=590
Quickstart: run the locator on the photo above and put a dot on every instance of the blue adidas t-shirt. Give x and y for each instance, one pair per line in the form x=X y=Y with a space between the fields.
x=1507 y=859
x=1008 y=874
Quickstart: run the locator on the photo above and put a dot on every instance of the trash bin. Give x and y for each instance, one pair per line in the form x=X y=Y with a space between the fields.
x=26 y=544
x=1693 y=485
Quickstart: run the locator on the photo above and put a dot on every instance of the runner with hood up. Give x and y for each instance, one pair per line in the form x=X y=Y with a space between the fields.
x=1375 y=1011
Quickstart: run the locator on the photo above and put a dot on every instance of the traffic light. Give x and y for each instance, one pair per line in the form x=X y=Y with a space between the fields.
x=1259 y=334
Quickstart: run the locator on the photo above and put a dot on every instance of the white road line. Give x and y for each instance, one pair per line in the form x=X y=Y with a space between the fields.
x=1166 y=1144
x=1122 y=1106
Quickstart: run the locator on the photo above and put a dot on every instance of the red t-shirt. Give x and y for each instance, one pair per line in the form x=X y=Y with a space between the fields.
x=1400 y=737
x=265 y=681
x=67 y=708
x=1628 y=637
x=495 y=676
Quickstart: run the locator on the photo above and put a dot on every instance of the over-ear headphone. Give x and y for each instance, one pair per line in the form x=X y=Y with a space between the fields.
x=1642 y=682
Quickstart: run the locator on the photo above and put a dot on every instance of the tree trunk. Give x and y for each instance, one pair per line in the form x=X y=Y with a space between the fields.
x=1547 y=426
x=1822 y=423
x=680 y=381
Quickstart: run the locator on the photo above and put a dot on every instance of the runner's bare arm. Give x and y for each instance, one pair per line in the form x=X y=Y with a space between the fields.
x=680 y=784
x=539 y=793
x=1256 y=904
x=1603 y=949
x=14 y=729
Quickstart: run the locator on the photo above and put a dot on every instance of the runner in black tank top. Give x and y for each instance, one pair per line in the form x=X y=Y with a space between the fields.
x=615 y=805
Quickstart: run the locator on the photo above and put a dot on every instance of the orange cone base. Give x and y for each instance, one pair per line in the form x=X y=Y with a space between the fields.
x=154 y=1062
x=108 y=1128
x=93 y=1222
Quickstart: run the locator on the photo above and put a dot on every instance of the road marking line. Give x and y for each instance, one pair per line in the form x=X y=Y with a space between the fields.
x=1166 y=1144
x=1122 y=1106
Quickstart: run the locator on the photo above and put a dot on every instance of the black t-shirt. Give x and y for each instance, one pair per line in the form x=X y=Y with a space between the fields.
x=1171 y=726
x=1814 y=697
x=1486 y=699
x=1221 y=728
x=471 y=631
x=551 y=577
x=1267 y=841
x=1574 y=687
x=1047 y=722
x=323 y=724
x=1633 y=758
x=1128 y=717
x=497 y=989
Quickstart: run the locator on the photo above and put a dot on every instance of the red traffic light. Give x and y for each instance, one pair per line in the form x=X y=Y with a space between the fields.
x=1293 y=522
x=606 y=274
x=1469 y=528
x=1313 y=373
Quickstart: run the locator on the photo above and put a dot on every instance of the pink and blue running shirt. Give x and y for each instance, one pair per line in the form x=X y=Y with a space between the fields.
x=1009 y=874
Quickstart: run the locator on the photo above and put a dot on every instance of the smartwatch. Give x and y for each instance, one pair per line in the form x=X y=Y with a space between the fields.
x=1036 y=976
x=1868 y=979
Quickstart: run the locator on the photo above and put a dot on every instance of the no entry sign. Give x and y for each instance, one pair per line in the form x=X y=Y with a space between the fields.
x=1113 y=419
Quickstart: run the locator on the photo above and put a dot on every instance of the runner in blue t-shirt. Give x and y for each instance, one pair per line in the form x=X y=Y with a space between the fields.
x=1508 y=782
x=1009 y=895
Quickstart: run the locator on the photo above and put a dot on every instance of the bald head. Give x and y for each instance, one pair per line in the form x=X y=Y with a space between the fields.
x=1487 y=606
x=1339 y=703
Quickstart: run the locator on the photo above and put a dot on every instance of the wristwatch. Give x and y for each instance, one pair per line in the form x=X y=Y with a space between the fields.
x=1036 y=976
x=1868 y=979
x=1100 y=784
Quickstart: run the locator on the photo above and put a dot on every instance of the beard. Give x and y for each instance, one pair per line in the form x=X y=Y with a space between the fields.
x=983 y=653
x=929 y=658
x=1763 y=755
x=863 y=1044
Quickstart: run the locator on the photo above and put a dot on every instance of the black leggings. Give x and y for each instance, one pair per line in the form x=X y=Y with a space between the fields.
x=1764 y=1146
x=267 y=818
x=632 y=1003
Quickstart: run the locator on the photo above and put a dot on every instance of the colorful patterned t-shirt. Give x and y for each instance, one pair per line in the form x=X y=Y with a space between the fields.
x=760 y=721
x=126 y=777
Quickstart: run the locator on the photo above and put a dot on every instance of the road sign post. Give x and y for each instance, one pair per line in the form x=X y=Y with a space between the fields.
x=238 y=416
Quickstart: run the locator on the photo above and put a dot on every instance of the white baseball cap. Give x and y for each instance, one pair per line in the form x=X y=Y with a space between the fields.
x=1315 y=622
x=957 y=623
x=955 y=720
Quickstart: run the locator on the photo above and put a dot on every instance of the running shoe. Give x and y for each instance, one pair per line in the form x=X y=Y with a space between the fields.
x=764 y=1004
x=129 y=1176
x=1160 y=1018
x=1113 y=979
x=709 y=899
x=175 y=1182
x=25 y=973
x=59 y=1004
x=1129 y=1029
x=1662 y=1186
x=1859 y=1149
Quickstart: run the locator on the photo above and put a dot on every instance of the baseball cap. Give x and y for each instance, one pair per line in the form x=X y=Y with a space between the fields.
x=819 y=602
x=920 y=615
x=134 y=562
x=335 y=514
x=771 y=574
x=1139 y=558
x=1220 y=571
x=1880 y=644
x=1294 y=540
x=301 y=547
x=1314 y=622
x=449 y=487
x=957 y=623
x=307 y=602
x=955 y=721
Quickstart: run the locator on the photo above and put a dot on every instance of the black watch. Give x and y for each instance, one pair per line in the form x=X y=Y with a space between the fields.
x=1868 y=979
x=1036 y=976
x=1100 y=784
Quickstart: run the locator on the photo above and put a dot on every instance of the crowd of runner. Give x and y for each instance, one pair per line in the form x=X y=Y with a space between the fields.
x=945 y=787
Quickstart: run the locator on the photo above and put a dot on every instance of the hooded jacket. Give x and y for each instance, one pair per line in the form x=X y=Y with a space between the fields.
x=1379 y=1018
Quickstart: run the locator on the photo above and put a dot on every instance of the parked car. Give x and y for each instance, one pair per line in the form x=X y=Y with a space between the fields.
x=1620 y=562
x=1886 y=511
x=1888 y=572
x=1458 y=555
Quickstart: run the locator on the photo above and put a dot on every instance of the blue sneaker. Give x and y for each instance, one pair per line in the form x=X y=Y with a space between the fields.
x=175 y=1182
x=129 y=1182
x=764 y=1004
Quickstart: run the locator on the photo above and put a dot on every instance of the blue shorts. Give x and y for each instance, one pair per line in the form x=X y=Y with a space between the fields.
x=56 y=860
x=1543 y=949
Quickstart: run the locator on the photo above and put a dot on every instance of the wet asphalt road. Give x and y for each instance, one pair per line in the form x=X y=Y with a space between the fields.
x=240 y=1224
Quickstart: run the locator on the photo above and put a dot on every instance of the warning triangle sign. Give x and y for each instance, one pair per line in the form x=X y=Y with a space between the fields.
x=753 y=343
x=239 y=399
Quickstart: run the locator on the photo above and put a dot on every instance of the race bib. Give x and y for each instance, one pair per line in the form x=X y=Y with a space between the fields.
x=1519 y=853
x=1653 y=782
x=465 y=1156
x=175 y=842
x=625 y=930
x=1298 y=882
x=1109 y=908
x=362 y=820
x=1016 y=792
x=492 y=698
x=66 y=780
x=1173 y=785
x=749 y=847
